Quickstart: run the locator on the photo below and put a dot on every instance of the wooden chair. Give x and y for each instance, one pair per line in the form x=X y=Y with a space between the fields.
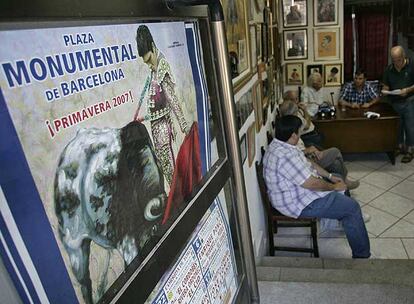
x=275 y=220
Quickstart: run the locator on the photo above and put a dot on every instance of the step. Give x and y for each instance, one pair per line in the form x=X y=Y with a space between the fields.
x=336 y=275
x=327 y=293
x=325 y=263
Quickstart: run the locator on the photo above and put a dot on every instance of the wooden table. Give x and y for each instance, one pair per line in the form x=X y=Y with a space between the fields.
x=352 y=131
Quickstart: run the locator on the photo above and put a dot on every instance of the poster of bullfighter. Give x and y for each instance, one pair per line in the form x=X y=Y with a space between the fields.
x=104 y=139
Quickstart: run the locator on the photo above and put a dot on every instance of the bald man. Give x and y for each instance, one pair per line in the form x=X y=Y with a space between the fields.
x=400 y=75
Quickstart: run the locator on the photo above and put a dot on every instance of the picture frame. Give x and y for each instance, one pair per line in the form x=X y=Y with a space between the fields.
x=294 y=13
x=295 y=44
x=257 y=105
x=274 y=6
x=238 y=40
x=259 y=42
x=243 y=148
x=244 y=107
x=312 y=68
x=265 y=41
x=294 y=73
x=332 y=75
x=253 y=45
x=251 y=143
x=325 y=12
x=327 y=43
x=256 y=10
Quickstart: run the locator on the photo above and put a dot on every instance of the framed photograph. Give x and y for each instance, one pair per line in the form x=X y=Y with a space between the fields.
x=294 y=13
x=294 y=73
x=259 y=41
x=295 y=44
x=314 y=68
x=265 y=42
x=274 y=4
x=244 y=106
x=253 y=46
x=243 y=148
x=257 y=105
x=326 y=43
x=256 y=10
x=333 y=74
x=237 y=33
x=251 y=143
x=325 y=12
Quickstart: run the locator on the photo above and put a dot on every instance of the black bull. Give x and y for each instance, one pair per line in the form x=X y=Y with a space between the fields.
x=108 y=189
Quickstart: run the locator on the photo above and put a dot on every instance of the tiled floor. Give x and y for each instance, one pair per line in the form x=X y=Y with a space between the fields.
x=387 y=194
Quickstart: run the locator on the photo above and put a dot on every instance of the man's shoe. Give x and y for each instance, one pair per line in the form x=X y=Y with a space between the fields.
x=352 y=184
x=366 y=217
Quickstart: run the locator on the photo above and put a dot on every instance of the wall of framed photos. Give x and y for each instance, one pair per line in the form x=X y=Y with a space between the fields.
x=284 y=45
x=312 y=41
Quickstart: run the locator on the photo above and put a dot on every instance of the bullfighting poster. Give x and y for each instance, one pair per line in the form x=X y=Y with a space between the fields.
x=104 y=136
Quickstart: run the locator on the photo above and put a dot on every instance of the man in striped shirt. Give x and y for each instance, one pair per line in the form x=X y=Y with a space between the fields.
x=297 y=188
x=359 y=93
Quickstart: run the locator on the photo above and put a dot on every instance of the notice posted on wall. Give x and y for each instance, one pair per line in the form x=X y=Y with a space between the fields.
x=205 y=272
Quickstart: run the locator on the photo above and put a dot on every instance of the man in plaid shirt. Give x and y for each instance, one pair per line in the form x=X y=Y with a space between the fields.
x=297 y=188
x=358 y=94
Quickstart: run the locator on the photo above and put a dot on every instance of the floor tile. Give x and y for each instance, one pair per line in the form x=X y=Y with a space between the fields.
x=401 y=229
x=366 y=193
x=382 y=180
x=399 y=169
x=411 y=178
x=388 y=248
x=410 y=217
x=405 y=188
x=409 y=246
x=356 y=171
x=393 y=203
x=380 y=220
x=334 y=248
x=373 y=164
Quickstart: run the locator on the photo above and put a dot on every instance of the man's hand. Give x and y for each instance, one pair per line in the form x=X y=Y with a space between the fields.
x=340 y=186
x=311 y=149
x=336 y=179
x=404 y=92
x=366 y=105
x=354 y=105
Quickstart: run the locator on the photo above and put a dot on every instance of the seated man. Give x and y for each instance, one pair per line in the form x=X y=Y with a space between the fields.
x=330 y=159
x=297 y=189
x=358 y=94
x=312 y=96
x=308 y=133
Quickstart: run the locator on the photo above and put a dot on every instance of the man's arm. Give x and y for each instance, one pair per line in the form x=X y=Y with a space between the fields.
x=318 y=184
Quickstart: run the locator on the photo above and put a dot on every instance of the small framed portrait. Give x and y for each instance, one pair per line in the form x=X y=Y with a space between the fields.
x=314 y=68
x=274 y=4
x=294 y=73
x=325 y=12
x=259 y=41
x=257 y=105
x=295 y=44
x=294 y=13
x=333 y=74
x=326 y=43
x=251 y=143
x=243 y=148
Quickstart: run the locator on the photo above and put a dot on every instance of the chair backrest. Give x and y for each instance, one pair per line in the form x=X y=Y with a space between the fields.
x=263 y=192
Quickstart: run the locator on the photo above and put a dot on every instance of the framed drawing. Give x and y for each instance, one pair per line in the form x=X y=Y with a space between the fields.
x=314 y=68
x=295 y=44
x=243 y=148
x=251 y=143
x=237 y=33
x=294 y=73
x=326 y=43
x=294 y=13
x=325 y=12
x=333 y=74
x=253 y=45
x=257 y=105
